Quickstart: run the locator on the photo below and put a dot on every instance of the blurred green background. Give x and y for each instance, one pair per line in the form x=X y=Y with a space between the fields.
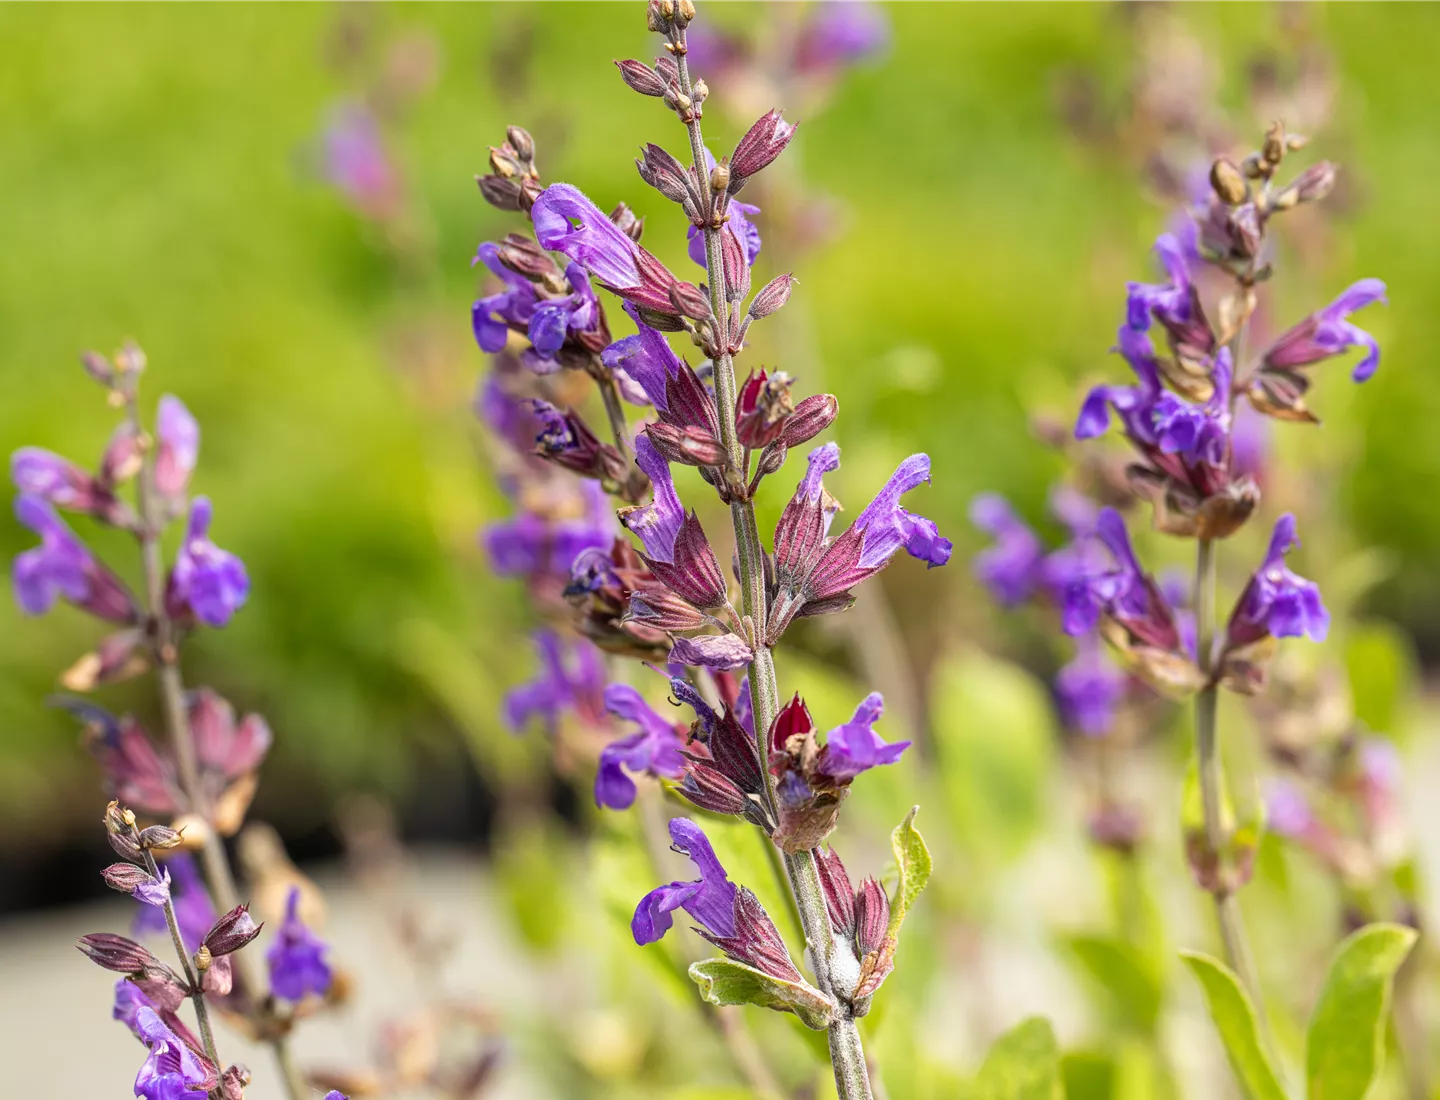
x=157 y=182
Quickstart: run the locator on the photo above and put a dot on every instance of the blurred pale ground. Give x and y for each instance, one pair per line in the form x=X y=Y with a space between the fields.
x=155 y=183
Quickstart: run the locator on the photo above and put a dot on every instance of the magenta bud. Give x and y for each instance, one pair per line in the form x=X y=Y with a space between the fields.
x=762 y=408
x=762 y=143
x=811 y=417
x=231 y=932
x=872 y=917
x=689 y=446
x=661 y=609
x=117 y=953
x=126 y=877
x=839 y=893
x=98 y=367
x=773 y=295
x=641 y=78
x=123 y=458
x=690 y=301
x=177 y=437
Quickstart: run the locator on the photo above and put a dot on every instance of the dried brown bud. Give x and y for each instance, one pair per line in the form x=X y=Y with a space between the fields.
x=700 y=90
x=521 y=141
x=719 y=177
x=1273 y=151
x=641 y=78
x=504 y=163
x=684 y=12
x=1228 y=182
x=657 y=15
x=203 y=959
x=499 y=192
x=160 y=838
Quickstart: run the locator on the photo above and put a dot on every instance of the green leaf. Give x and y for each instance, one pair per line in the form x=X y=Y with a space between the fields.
x=913 y=860
x=1234 y=1018
x=1345 y=1048
x=1123 y=971
x=1024 y=1064
x=727 y=982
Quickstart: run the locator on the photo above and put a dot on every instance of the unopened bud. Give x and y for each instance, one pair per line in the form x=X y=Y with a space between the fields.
x=502 y=164
x=203 y=959
x=684 y=12
x=626 y=221
x=690 y=446
x=130 y=359
x=1253 y=167
x=772 y=296
x=720 y=177
x=521 y=141
x=501 y=193
x=160 y=838
x=1273 y=151
x=1228 y=182
x=771 y=459
x=117 y=953
x=762 y=143
x=700 y=90
x=811 y=417
x=98 y=367
x=690 y=301
x=233 y=1083
x=656 y=18
x=1311 y=185
x=231 y=932
x=640 y=77
x=124 y=456
x=126 y=877
x=667 y=68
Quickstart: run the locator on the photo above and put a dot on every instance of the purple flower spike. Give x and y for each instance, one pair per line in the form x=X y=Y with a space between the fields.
x=709 y=900
x=657 y=523
x=1277 y=602
x=171 y=1071
x=569 y=680
x=209 y=582
x=654 y=750
x=297 y=957
x=62 y=566
x=855 y=747
x=1329 y=332
x=1010 y=569
x=178 y=437
x=569 y=223
x=1088 y=690
x=493 y=317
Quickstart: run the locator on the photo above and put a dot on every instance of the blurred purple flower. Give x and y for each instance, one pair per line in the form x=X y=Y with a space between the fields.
x=570 y=679
x=555 y=319
x=193 y=910
x=1011 y=568
x=1329 y=332
x=530 y=545
x=710 y=900
x=658 y=523
x=1088 y=689
x=209 y=582
x=177 y=436
x=842 y=32
x=44 y=474
x=354 y=160
x=297 y=957
x=655 y=749
x=62 y=566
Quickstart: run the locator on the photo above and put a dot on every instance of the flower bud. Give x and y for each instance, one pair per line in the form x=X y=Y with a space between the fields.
x=160 y=838
x=839 y=893
x=684 y=12
x=657 y=15
x=521 y=141
x=626 y=221
x=688 y=445
x=762 y=408
x=499 y=192
x=1228 y=181
x=719 y=177
x=98 y=368
x=793 y=721
x=771 y=459
x=1311 y=185
x=772 y=296
x=130 y=359
x=126 y=877
x=117 y=953
x=872 y=917
x=231 y=932
x=664 y=173
x=667 y=68
x=217 y=978
x=124 y=456
x=762 y=143
x=233 y=1083
x=641 y=78
x=811 y=417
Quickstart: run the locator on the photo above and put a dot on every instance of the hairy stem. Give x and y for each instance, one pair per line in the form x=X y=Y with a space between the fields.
x=165 y=650
x=197 y=995
x=852 y=1080
x=1207 y=753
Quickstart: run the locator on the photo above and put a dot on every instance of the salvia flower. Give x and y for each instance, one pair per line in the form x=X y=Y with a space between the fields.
x=193 y=910
x=208 y=582
x=177 y=450
x=63 y=567
x=676 y=549
x=171 y=1071
x=46 y=475
x=536 y=545
x=571 y=679
x=1010 y=569
x=1278 y=602
x=1089 y=689
x=138 y=883
x=654 y=749
x=556 y=320
x=493 y=317
x=297 y=957
x=1330 y=332
x=710 y=899
x=854 y=748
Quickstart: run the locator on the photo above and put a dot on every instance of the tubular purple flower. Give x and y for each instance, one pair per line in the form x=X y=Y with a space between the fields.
x=297 y=957
x=62 y=566
x=710 y=900
x=1329 y=332
x=1088 y=689
x=647 y=358
x=532 y=546
x=171 y=1071
x=44 y=474
x=1011 y=568
x=555 y=319
x=177 y=436
x=658 y=523
x=129 y=1000
x=887 y=527
x=1199 y=434
x=1277 y=602
x=568 y=222
x=1123 y=592
x=570 y=679
x=1169 y=302
x=855 y=747
x=209 y=582
x=655 y=749
x=1133 y=404
x=494 y=316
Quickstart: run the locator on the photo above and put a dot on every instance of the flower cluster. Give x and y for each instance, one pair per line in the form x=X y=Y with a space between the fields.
x=664 y=594
x=196 y=785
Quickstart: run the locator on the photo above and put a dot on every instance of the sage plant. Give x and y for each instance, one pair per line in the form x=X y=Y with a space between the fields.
x=668 y=598
x=1180 y=419
x=195 y=788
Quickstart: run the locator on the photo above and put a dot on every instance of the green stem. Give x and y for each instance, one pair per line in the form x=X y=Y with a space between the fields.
x=852 y=1080
x=166 y=654
x=1207 y=753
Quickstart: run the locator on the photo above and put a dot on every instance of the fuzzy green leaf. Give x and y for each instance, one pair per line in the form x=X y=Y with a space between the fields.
x=913 y=859
x=1345 y=1048
x=727 y=982
x=1024 y=1064
x=1234 y=1017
